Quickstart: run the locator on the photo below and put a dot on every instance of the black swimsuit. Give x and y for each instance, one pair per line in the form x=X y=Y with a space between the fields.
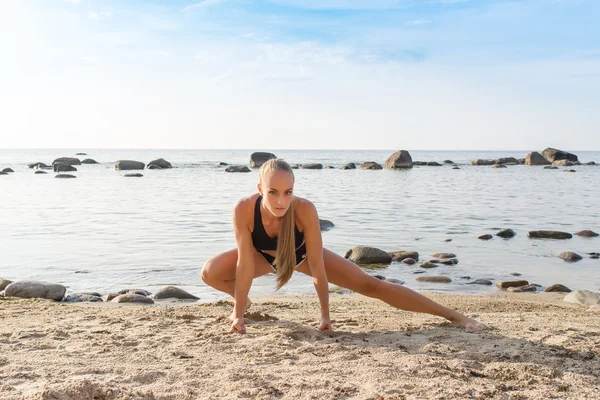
x=262 y=241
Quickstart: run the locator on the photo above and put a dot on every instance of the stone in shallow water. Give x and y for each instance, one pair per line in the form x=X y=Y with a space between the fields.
x=583 y=297
x=570 y=256
x=549 y=235
x=400 y=255
x=557 y=288
x=480 y=282
x=520 y=289
x=443 y=255
x=428 y=264
x=434 y=279
x=506 y=233
x=141 y=292
x=82 y=297
x=172 y=292
x=587 y=233
x=394 y=280
x=325 y=225
x=65 y=176
x=409 y=261
x=485 y=237
x=133 y=175
x=367 y=255
x=507 y=284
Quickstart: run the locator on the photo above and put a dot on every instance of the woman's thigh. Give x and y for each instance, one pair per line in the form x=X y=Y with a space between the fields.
x=223 y=266
x=344 y=273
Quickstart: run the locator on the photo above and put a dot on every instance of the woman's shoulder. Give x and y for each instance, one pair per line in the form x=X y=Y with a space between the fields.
x=246 y=203
x=303 y=206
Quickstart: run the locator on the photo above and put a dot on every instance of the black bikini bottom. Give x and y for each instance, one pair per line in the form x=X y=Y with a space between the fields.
x=300 y=256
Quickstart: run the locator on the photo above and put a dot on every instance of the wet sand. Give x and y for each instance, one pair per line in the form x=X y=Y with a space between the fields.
x=538 y=348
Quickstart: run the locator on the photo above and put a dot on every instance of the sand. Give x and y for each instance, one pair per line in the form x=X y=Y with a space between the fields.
x=539 y=348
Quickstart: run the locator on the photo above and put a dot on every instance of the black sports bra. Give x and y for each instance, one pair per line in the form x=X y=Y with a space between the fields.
x=261 y=240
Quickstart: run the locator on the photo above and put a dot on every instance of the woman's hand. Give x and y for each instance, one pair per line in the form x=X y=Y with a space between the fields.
x=238 y=325
x=325 y=325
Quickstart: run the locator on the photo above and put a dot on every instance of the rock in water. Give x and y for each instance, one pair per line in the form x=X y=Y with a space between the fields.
x=480 y=282
x=259 y=158
x=587 y=233
x=325 y=225
x=399 y=160
x=367 y=255
x=65 y=176
x=507 y=284
x=36 y=289
x=137 y=175
x=521 y=289
x=557 y=288
x=371 y=165
x=583 y=297
x=535 y=158
x=60 y=167
x=161 y=162
x=172 y=292
x=485 y=237
x=67 y=160
x=128 y=165
x=506 y=233
x=552 y=155
x=82 y=297
x=549 y=235
x=141 y=292
x=443 y=255
x=89 y=161
x=312 y=166
x=237 y=168
x=570 y=256
x=478 y=161
x=400 y=255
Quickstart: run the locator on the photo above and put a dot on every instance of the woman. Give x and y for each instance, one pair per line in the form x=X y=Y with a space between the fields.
x=278 y=232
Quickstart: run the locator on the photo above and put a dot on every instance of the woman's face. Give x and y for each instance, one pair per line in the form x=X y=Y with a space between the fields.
x=277 y=189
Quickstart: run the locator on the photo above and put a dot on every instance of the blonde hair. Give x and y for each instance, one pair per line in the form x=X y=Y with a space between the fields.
x=285 y=259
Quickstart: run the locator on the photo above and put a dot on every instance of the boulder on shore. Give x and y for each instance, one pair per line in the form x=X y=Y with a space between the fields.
x=172 y=292
x=552 y=155
x=367 y=255
x=4 y=283
x=259 y=158
x=67 y=160
x=535 y=158
x=132 y=298
x=557 y=288
x=549 y=235
x=128 y=165
x=237 y=168
x=161 y=163
x=399 y=160
x=35 y=289
x=583 y=297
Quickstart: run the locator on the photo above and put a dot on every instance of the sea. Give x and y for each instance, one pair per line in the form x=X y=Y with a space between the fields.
x=104 y=232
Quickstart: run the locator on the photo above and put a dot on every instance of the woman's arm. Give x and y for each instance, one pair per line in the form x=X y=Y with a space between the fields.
x=244 y=272
x=314 y=248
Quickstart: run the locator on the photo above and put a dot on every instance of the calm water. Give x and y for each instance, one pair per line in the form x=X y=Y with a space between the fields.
x=105 y=232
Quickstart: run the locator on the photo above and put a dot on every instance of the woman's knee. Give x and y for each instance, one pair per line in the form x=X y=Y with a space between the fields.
x=370 y=286
x=206 y=270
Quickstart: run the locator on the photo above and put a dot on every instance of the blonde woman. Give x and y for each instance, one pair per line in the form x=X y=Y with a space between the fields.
x=278 y=232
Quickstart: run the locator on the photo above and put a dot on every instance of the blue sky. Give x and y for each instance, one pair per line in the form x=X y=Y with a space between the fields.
x=379 y=74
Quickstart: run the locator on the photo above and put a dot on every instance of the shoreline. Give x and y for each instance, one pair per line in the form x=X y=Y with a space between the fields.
x=538 y=348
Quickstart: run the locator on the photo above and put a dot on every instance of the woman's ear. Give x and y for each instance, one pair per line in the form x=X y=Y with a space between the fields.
x=259 y=188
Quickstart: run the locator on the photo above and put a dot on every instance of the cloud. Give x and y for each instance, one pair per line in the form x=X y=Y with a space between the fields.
x=418 y=22
x=97 y=15
x=202 y=4
x=73 y=1
x=345 y=4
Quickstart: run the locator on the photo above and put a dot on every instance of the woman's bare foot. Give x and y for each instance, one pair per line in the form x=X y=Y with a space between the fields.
x=229 y=320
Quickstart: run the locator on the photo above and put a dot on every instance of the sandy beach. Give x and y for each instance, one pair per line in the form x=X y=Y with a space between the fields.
x=538 y=348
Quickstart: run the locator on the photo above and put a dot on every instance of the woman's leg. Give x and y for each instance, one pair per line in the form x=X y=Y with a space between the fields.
x=219 y=271
x=348 y=275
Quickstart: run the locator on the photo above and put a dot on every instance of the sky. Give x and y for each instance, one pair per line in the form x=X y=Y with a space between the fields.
x=300 y=74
